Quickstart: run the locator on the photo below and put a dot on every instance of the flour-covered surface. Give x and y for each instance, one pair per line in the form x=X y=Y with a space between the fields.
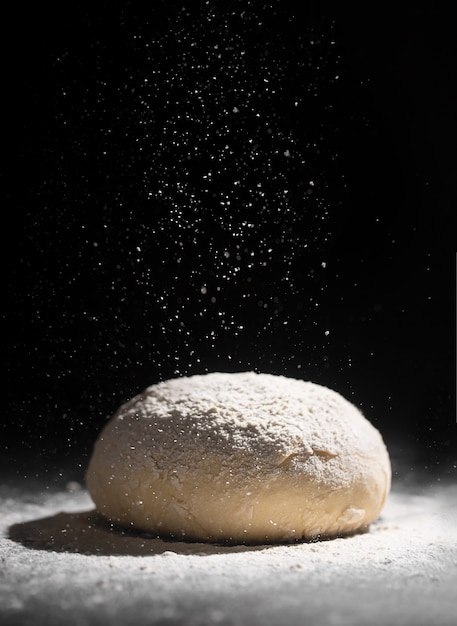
x=61 y=565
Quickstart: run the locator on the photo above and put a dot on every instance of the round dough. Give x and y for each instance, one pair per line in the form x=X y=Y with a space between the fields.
x=239 y=457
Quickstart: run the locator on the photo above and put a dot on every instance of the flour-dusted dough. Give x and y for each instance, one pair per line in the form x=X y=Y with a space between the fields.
x=241 y=457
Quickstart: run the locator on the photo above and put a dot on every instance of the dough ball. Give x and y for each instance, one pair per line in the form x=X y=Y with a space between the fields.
x=239 y=457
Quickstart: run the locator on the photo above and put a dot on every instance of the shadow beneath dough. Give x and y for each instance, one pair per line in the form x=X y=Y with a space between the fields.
x=88 y=533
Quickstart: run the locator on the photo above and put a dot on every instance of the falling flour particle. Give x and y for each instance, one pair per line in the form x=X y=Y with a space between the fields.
x=240 y=457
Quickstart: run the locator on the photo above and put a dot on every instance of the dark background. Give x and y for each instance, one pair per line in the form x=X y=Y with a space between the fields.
x=106 y=294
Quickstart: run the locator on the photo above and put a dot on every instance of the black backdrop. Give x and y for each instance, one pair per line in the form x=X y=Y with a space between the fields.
x=347 y=278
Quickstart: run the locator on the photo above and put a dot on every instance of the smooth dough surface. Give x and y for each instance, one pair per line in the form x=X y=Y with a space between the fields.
x=240 y=457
